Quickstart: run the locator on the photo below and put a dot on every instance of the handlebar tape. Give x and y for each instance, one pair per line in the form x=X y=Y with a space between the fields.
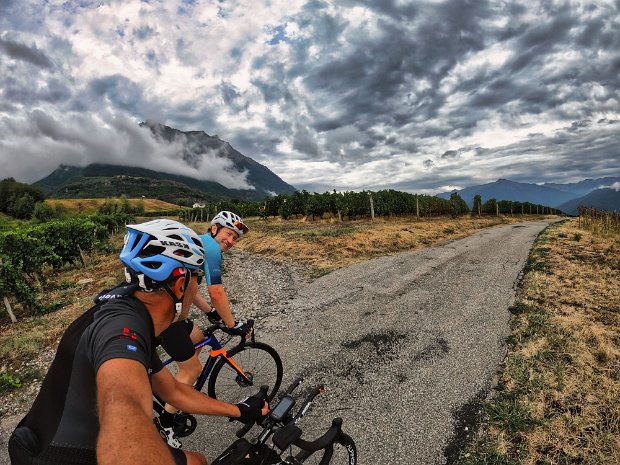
x=324 y=441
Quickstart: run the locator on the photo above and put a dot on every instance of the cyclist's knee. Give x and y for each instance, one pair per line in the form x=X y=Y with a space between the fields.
x=194 y=458
x=196 y=335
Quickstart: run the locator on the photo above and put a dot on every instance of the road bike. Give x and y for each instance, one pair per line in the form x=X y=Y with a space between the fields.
x=231 y=374
x=287 y=446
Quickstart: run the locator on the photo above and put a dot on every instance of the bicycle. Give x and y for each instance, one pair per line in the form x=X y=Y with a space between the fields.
x=282 y=426
x=230 y=374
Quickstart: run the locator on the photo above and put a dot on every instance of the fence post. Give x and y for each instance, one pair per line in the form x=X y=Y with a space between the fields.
x=372 y=208
x=7 y=305
x=417 y=208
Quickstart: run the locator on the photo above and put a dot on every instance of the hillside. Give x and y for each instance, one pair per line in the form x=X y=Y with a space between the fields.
x=104 y=180
x=602 y=199
x=549 y=194
x=503 y=189
x=92 y=205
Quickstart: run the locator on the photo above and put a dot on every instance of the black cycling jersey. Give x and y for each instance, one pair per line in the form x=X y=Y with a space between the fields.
x=62 y=426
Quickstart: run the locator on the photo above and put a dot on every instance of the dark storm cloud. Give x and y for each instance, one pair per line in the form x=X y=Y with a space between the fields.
x=120 y=91
x=374 y=73
x=23 y=52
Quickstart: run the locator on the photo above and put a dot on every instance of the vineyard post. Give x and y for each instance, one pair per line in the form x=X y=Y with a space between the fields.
x=372 y=208
x=82 y=256
x=9 y=310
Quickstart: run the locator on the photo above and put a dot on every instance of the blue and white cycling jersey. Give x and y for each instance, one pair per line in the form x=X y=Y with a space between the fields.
x=213 y=260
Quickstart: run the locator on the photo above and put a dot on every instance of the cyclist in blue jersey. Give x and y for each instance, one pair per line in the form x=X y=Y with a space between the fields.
x=95 y=403
x=226 y=228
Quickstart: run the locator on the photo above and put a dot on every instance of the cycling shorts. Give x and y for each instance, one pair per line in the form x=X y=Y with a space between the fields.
x=176 y=341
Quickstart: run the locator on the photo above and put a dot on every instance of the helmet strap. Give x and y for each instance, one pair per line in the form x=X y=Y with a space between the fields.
x=178 y=301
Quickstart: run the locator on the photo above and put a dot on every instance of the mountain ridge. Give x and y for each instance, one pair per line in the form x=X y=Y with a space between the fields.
x=549 y=194
x=105 y=180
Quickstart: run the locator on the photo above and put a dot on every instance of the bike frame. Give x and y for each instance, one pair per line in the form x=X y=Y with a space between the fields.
x=217 y=351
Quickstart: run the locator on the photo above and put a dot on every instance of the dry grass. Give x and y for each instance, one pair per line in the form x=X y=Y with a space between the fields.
x=92 y=205
x=329 y=244
x=563 y=370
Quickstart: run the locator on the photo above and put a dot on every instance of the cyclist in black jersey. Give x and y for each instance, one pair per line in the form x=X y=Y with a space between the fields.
x=95 y=403
x=226 y=228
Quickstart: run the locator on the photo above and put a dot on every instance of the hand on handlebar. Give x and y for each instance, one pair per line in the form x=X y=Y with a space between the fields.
x=251 y=409
x=241 y=329
x=213 y=316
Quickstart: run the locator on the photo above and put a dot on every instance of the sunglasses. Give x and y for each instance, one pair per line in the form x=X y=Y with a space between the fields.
x=240 y=225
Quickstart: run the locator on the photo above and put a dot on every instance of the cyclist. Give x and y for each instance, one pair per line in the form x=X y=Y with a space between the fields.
x=95 y=403
x=226 y=228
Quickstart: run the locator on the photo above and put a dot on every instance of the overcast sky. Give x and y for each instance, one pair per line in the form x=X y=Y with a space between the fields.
x=422 y=96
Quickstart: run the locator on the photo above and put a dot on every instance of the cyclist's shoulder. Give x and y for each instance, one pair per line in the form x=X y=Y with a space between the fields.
x=213 y=252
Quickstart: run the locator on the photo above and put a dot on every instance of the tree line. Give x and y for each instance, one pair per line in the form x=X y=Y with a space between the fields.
x=354 y=205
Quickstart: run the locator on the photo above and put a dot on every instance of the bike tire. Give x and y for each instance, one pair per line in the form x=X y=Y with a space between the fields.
x=257 y=359
x=344 y=453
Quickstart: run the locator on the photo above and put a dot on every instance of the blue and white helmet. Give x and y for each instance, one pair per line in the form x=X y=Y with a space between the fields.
x=157 y=248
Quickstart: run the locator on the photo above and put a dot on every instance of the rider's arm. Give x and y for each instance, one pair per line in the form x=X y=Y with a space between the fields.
x=220 y=301
x=124 y=402
x=188 y=399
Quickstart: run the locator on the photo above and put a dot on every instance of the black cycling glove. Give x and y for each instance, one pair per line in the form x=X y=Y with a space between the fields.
x=213 y=316
x=240 y=329
x=251 y=409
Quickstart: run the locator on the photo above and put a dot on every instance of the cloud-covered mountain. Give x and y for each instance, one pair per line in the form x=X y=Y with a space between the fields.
x=195 y=149
x=552 y=195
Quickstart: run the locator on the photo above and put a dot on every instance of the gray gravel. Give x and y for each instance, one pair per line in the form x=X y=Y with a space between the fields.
x=406 y=345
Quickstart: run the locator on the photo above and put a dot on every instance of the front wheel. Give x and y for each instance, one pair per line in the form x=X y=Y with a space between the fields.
x=342 y=452
x=260 y=364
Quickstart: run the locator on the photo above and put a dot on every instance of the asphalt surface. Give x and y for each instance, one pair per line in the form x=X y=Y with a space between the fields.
x=406 y=345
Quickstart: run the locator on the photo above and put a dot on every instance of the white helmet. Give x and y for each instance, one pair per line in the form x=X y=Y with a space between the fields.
x=230 y=220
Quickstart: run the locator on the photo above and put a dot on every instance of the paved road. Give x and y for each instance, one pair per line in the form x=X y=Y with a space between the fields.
x=407 y=345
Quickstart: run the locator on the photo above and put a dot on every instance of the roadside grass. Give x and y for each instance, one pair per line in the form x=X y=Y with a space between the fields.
x=557 y=400
x=327 y=244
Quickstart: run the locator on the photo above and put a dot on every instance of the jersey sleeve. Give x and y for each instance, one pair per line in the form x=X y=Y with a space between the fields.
x=213 y=261
x=120 y=333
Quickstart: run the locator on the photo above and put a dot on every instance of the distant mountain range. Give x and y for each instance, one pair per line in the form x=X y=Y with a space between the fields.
x=566 y=197
x=102 y=180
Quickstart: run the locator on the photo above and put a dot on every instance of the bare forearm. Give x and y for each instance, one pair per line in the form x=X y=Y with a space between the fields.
x=127 y=435
x=189 y=400
x=222 y=304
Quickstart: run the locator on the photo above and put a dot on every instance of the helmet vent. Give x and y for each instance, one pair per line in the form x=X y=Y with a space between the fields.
x=151 y=250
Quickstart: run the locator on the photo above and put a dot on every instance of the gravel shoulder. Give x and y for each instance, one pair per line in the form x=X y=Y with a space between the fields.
x=407 y=345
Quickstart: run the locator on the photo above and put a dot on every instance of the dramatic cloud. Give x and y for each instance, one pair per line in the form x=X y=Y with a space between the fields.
x=422 y=96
